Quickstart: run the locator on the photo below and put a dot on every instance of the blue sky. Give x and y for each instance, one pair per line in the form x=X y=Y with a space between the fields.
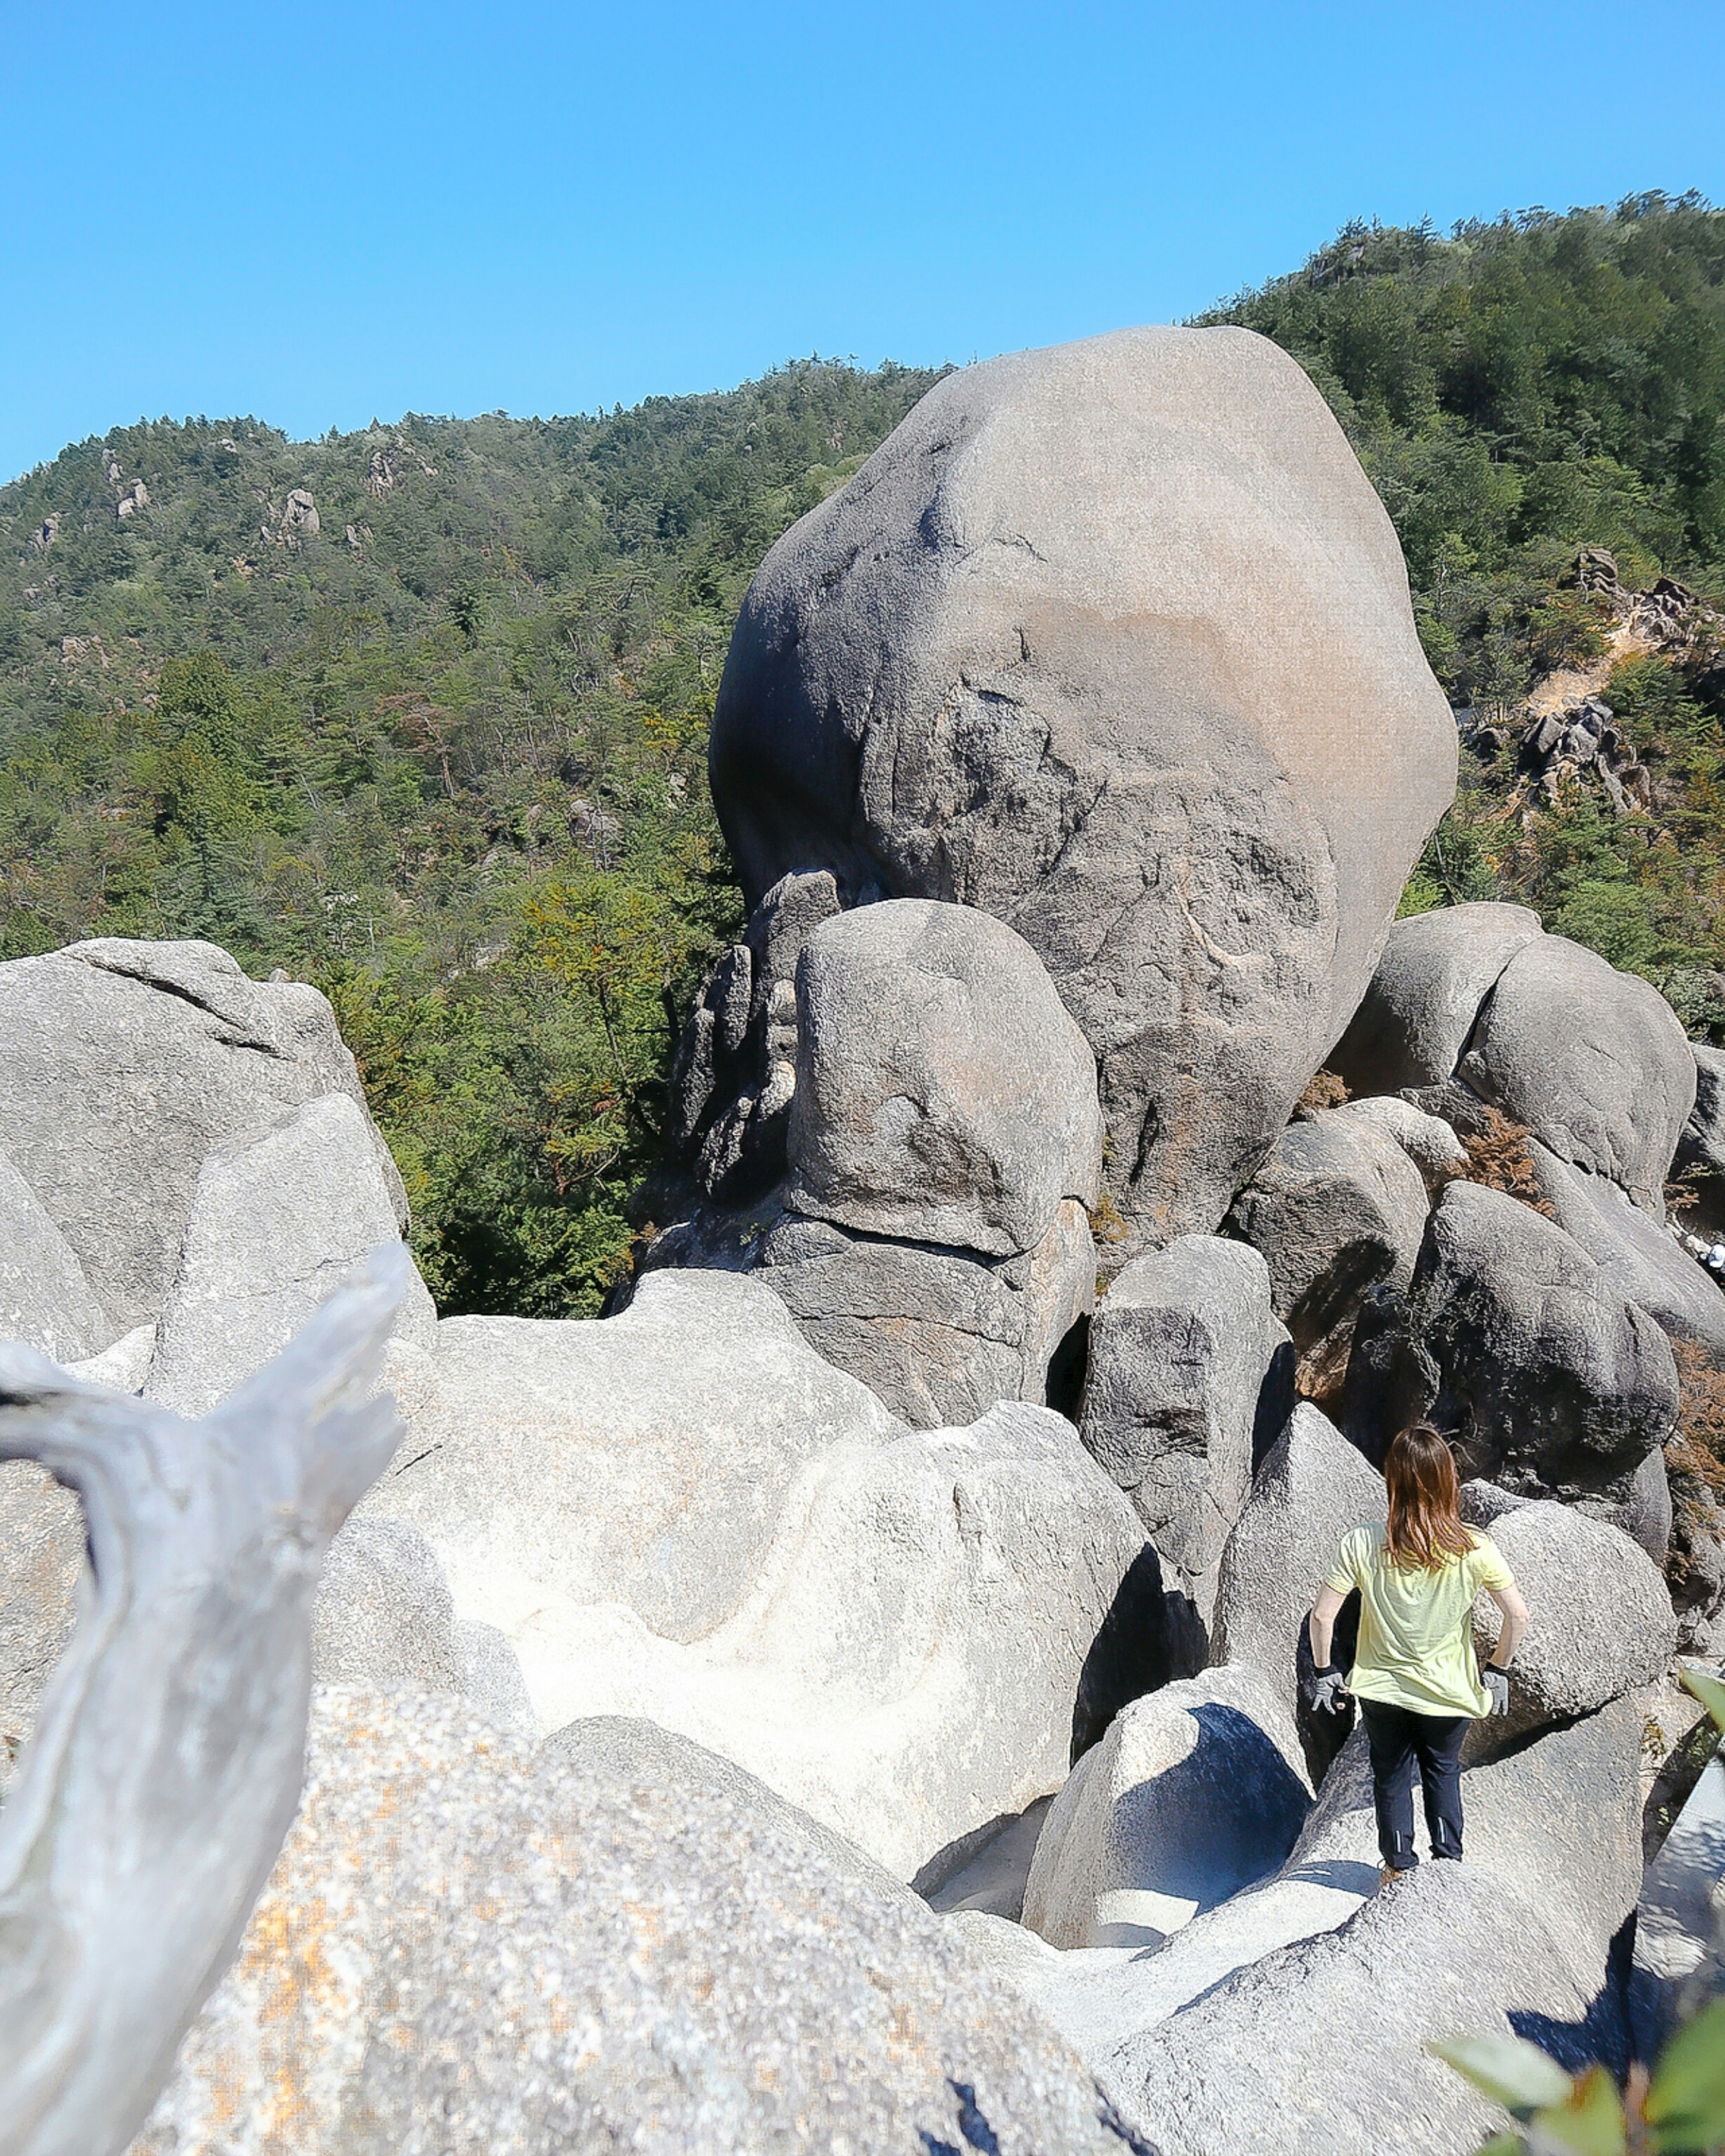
x=320 y=213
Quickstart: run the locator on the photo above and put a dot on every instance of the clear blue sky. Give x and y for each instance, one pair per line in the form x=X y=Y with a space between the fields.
x=318 y=213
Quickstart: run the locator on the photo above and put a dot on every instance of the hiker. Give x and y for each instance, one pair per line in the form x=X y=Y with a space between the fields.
x=1413 y=1673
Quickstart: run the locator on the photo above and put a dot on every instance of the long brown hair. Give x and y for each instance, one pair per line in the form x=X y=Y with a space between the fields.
x=1425 y=1526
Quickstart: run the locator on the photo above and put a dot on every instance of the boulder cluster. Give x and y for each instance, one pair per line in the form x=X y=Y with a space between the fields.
x=850 y=1696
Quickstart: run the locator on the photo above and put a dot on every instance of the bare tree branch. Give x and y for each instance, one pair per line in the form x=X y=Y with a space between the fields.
x=169 y=1751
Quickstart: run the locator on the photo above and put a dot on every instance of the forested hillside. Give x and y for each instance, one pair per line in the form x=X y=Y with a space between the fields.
x=1519 y=391
x=420 y=713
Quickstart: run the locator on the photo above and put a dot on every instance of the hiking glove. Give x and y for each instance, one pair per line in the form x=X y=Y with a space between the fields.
x=1326 y=1692
x=1496 y=1684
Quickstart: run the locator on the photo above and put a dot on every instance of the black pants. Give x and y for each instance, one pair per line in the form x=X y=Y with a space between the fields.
x=1397 y=1738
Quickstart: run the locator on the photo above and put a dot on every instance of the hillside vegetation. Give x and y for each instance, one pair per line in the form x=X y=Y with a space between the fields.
x=420 y=713
x=1519 y=391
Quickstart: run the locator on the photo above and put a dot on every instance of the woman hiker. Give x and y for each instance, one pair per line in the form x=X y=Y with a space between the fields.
x=1414 y=1672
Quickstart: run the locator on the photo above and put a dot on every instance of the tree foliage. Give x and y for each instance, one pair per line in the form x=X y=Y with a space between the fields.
x=445 y=756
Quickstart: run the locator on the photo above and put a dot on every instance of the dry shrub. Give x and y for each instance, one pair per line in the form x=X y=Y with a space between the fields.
x=1699 y=1446
x=1106 y=1223
x=1499 y=1157
x=1324 y=1089
x=1694 y=1464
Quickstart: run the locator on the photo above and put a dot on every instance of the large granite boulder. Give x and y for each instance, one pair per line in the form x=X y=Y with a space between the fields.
x=1113 y=642
x=277 y=1220
x=939 y=1335
x=123 y=1065
x=943 y=1094
x=614 y=1946
x=45 y=1301
x=1190 y=1382
x=1310 y=1491
x=1420 y=1007
x=1196 y=1791
x=1593 y=1061
x=684 y=1512
x=1339 y=1207
x=1602 y=1621
x=1512 y=1338
x=1427 y=1141
x=1637 y=1255
x=1234 y=2016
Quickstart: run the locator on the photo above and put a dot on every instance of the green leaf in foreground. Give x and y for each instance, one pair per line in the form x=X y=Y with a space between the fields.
x=1708 y=1691
x=1509 y=2070
x=1686 y=2105
x=1588 y=2122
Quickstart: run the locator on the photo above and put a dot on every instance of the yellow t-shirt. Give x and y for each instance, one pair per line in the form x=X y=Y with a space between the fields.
x=1415 y=1627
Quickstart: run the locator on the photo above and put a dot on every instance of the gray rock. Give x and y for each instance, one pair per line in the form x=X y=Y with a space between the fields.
x=1677 y=1966
x=1427 y=1141
x=1196 y=1791
x=1637 y=1256
x=1592 y=1061
x=45 y=1301
x=1310 y=1491
x=1338 y=1207
x=122 y=1065
x=992 y=1883
x=684 y=1513
x=938 y=1335
x=1701 y=1149
x=734 y=1071
x=1436 y=969
x=41 y=1545
x=1553 y=1834
x=277 y=1221
x=1471 y=1955
x=491 y=1677
x=1646 y=1514
x=1055 y=652
x=1602 y=1623
x=943 y=1096
x=1190 y=1381
x=591 y=1952
x=1514 y=1339
x=384 y=1615
x=123 y=1367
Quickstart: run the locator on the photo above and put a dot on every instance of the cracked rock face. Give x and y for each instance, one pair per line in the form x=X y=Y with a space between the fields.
x=1113 y=642
x=122 y=1065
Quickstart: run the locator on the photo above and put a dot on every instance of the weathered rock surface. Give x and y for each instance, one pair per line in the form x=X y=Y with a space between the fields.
x=1427 y=1141
x=1680 y=1927
x=45 y=1301
x=462 y=1948
x=937 y=1334
x=1310 y=1491
x=1636 y=1254
x=124 y=1064
x=943 y=1094
x=1513 y=1338
x=42 y=1559
x=1701 y=1148
x=684 y=1513
x=1190 y=1382
x=1055 y=653
x=276 y=1220
x=1603 y=1624
x=1338 y=1207
x=1553 y=1865
x=1436 y=969
x=1592 y=1061
x=1197 y=1790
